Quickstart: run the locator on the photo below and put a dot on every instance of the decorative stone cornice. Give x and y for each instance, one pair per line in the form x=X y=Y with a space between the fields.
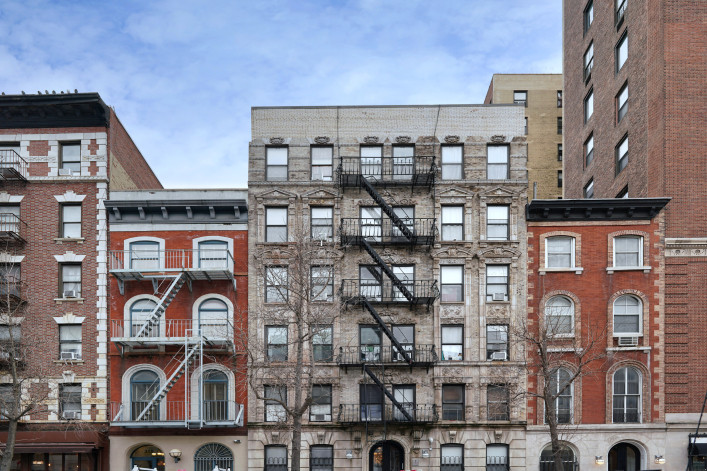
x=686 y=247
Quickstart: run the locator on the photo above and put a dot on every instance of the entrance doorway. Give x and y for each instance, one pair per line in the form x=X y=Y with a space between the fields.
x=387 y=456
x=147 y=456
x=624 y=457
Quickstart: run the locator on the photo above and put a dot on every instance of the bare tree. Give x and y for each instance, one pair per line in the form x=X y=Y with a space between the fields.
x=290 y=327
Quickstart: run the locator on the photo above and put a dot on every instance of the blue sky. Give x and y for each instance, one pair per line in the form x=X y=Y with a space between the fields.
x=182 y=75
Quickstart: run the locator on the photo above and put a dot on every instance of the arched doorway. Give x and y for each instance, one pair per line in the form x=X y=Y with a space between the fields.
x=147 y=456
x=211 y=455
x=624 y=457
x=387 y=456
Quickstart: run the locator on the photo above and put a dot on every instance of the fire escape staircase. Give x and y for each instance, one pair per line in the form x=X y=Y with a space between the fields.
x=175 y=284
x=390 y=395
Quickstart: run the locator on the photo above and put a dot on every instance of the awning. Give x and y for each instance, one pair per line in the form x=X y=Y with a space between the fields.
x=54 y=448
x=698 y=449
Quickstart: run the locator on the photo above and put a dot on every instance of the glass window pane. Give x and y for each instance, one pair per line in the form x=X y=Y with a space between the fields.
x=321 y=155
x=452 y=334
x=497 y=154
x=452 y=275
x=452 y=214
x=277 y=155
x=452 y=154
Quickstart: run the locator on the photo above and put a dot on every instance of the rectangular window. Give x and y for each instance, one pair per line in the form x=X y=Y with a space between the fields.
x=589 y=105
x=405 y=395
x=276 y=224
x=70 y=342
x=559 y=125
x=452 y=223
x=321 y=458
x=71 y=221
x=559 y=98
x=70 y=282
x=621 y=154
x=525 y=127
x=70 y=157
x=320 y=410
x=407 y=216
x=370 y=343
x=322 y=163
x=588 y=16
x=371 y=223
x=322 y=342
x=497 y=162
x=559 y=179
x=620 y=11
x=452 y=458
x=145 y=255
x=403 y=162
x=10 y=279
x=497 y=402
x=559 y=152
x=622 y=103
x=406 y=275
x=452 y=343
x=371 y=158
x=7 y=404
x=628 y=251
x=589 y=190
x=621 y=51
x=497 y=342
x=70 y=401
x=520 y=97
x=589 y=150
x=276 y=283
x=405 y=335
x=276 y=164
x=452 y=402
x=497 y=458
x=276 y=338
x=370 y=281
x=275 y=458
x=452 y=162
x=322 y=281
x=371 y=401
x=559 y=252
x=452 y=281
x=496 y=282
x=322 y=219
x=497 y=222
x=275 y=400
x=10 y=218
x=588 y=61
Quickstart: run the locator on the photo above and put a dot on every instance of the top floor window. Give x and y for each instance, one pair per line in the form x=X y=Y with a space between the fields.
x=213 y=254
x=497 y=162
x=588 y=15
x=403 y=162
x=144 y=255
x=276 y=164
x=70 y=157
x=520 y=97
x=322 y=163
x=371 y=161
x=559 y=252
x=628 y=251
x=452 y=158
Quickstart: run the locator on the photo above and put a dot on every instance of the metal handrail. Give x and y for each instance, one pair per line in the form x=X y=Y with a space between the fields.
x=11 y=223
x=379 y=413
x=212 y=329
x=386 y=292
x=383 y=230
x=377 y=354
x=388 y=168
x=172 y=260
x=175 y=411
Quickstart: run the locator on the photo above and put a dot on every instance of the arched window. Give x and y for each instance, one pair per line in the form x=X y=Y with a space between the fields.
x=147 y=456
x=627 y=395
x=213 y=319
x=213 y=254
x=213 y=455
x=547 y=458
x=627 y=315
x=559 y=316
x=144 y=255
x=140 y=311
x=560 y=385
x=215 y=396
x=143 y=386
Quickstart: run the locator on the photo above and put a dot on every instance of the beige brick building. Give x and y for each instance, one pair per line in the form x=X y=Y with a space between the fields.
x=419 y=213
x=542 y=96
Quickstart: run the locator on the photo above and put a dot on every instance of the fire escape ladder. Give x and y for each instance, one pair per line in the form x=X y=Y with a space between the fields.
x=189 y=358
x=386 y=269
x=165 y=300
x=405 y=354
x=402 y=227
x=381 y=386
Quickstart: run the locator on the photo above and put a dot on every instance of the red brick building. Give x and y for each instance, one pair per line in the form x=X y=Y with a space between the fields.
x=59 y=155
x=178 y=280
x=596 y=277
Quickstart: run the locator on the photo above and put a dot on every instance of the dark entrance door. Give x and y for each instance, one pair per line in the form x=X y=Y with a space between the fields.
x=624 y=457
x=387 y=456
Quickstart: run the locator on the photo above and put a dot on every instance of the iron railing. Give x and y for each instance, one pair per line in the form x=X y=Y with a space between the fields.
x=413 y=170
x=12 y=166
x=389 y=354
x=174 y=411
x=212 y=329
x=171 y=260
x=380 y=413
x=384 y=292
x=384 y=231
x=11 y=225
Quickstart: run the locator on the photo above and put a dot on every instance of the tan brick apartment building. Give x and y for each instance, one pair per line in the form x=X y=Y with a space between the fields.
x=541 y=94
x=418 y=211
x=635 y=108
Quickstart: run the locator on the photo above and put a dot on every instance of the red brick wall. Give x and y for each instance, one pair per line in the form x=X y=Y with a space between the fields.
x=122 y=148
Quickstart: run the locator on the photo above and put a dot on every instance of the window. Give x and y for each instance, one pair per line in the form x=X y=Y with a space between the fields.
x=371 y=158
x=321 y=458
x=143 y=387
x=623 y=193
x=497 y=342
x=497 y=222
x=559 y=316
x=559 y=152
x=621 y=51
x=275 y=401
x=588 y=61
x=496 y=282
x=209 y=457
x=276 y=164
x=452 y=343
x=627 y=395
x=322 y=343
x=140 y=311
x=213 y=254
x=589 y=190
x=520 y=97
x=559 y=179
x=588 y=15
x=452 y=458
x=371 y=400
x=70 y=341
x=559 y=98
x=320 y=410
x=453 y=402
x=370 y=282
x=561 y=387
x=547 y=458
x=7 y=402
x=370 y=343
x=276 y=338
x=622 y=155
x=620 y=10
x=628 y=251
x=322 y=281
x=559 y=252
x=70 y=157
x=70 y=282
x=71 y=221
x=10 y=218
x=276 y=224
x=70 y=401
x=403 y=162
x=622 y=103
x=322 y=163
x=276 y=285
x=497 y=168
x=275 y=458
x=371 y=223
x=322 y=223
x=407 y=215
x=406 y=275
x=144 y=255
x=559 y=125
x=588 y=105
x=405 y=335
x=10 y=279
x=405 y=395
x=525 y=126
x=497 y=458
x=589 y=150
x=497 y=402
x=628 y=311
x=452 y=223
x=215 y=396
x=213 y=319
x=452 y=279
x=452 y=162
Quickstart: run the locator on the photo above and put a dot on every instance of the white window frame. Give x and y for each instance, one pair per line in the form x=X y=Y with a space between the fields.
x=572 y=266
x=497 y=163
x=449 y=165
x=557 y=384
x=160 y=244
x=195 y=248
x=639 y=265
x=571 y=315
x=320 y=176
x=639 y=332
x=446 y=209
x=639 y=408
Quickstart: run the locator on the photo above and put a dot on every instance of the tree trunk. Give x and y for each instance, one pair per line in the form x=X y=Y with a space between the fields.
x=297 y=409
x=9 y=446
x=554 y=436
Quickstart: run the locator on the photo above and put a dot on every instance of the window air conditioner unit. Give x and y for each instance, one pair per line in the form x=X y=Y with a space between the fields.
x=70 y=356
x=499 y=356
x=71 y=293
x=322 y=418
x=628 y=341
x=65 y=172
x=499 y=296
x=71 y=414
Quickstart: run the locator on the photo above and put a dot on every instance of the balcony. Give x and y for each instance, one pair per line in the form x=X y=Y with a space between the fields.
x=12 y=228
x=197 y=264
x=12 y=166
x=178 y=414
x=11 y=292
x=382 y=231
x=354 y=291
x=215 y=332
x=372 y=414
x=416 y=170
x=421 y=355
